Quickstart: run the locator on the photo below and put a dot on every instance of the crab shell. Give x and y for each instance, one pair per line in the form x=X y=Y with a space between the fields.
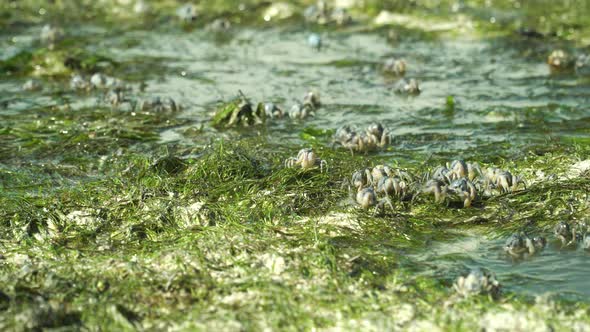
x=366 y=198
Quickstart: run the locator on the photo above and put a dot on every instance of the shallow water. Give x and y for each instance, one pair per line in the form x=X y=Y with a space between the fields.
x=555 y=270
x=506 y=99
x=502 y=93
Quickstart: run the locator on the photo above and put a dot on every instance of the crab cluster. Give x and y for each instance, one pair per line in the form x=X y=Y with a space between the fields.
x=452 y=182
x=458 y=181
x=96 y=81
x=307 y=159
x=300 y=110
x=463 y=181
x=519 y=245
x=321 y=13
x=373 y=137
x=241 y=111
x=477 y=282
x=572 y=235
x=157 y=104
x=383 y=181
x=396 y=69
x=311 y=102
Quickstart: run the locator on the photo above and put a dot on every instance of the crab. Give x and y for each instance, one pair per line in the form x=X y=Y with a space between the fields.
x=101 y=81
x=400 y=173
x=317 y=13
x=273 y=111
x=378 y=172
x=32 y=85
x=375 y=136
x=378 y=135
x=442 y=174
x=458 y=169
x=360 y=142
x=366 y=198
x=300 y=111
x=570 y=234
x=464 y=189
x=219 y=25
x=343 y=134
x=187 y=13
x=519 y=245
x=393 y=186
x=477 y=282
x=473 y=171
x=341 y=16
x=77 y=82
x=461 y=169
x=582 y=65
x=503 y=180
x=314 y=41
x=320 y=14
x=436 y=187
x=157 y=104
x=559 y=60
x=307 y=159
x=408 y=87
x=51 y=34
x=395 y=66
x=312 y=99
x=115 y=97
x=98 y=80
x=361 y=178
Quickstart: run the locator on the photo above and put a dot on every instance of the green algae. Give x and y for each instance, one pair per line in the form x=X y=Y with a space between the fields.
x=104 y=226
x=239 y=112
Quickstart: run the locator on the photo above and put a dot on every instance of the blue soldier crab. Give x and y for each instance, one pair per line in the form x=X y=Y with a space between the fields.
x=460 y=189
x=395 y=66
x=519 y=245
x=503 y=180
x=307 y=159
x=571 y=234
x=273 y=111
x=559 y=60
x=477 y=282
x=366 y=198
x=375 y=136
x=408 y=87
x=157 y=104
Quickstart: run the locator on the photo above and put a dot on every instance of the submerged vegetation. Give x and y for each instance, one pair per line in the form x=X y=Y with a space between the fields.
x=161 y=202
